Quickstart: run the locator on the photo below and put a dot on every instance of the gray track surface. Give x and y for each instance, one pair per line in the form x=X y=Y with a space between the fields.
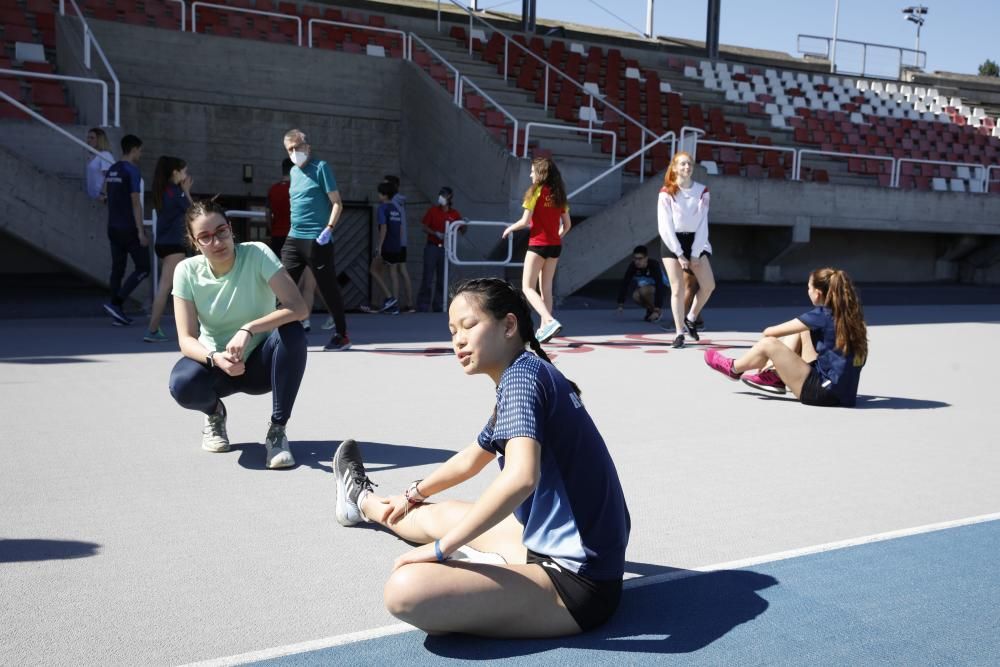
x=121 y=542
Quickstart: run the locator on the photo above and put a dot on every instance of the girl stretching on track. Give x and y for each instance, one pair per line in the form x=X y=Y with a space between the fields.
x=682 y=220
x=558 y=560
x=818 y=355
x=546 y=212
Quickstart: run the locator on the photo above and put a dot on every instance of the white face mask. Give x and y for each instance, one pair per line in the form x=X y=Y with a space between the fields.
x=299 y=158
x=442 y=200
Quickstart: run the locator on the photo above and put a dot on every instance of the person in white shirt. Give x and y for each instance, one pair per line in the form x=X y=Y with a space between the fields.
x=682 y=219
x=97 y=165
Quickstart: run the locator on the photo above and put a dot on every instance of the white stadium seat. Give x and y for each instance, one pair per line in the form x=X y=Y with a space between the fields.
x=939 y=184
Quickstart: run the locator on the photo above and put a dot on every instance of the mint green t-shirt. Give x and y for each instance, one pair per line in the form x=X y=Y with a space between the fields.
x=224 y=304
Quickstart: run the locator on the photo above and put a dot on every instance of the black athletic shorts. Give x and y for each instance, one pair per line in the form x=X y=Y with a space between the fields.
x=546 y=251
x=686 y=240
x=163 y=251
x=395 y=257
x=816 y=390
x=591 y=602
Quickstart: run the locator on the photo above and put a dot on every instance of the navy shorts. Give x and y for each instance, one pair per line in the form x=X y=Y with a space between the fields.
x=816 y=390
x=591 y=602
x=395 y=257
x=164 y=251
x=546 y=251
x=686 y=240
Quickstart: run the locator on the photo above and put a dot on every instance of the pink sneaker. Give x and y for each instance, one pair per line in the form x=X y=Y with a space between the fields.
x=721 y=363
x=768 y=381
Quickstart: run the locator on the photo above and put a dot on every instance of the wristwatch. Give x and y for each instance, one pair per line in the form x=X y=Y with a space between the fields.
x=210 y=361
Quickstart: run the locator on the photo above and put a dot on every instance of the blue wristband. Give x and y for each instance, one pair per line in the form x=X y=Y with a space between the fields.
x=438 y=552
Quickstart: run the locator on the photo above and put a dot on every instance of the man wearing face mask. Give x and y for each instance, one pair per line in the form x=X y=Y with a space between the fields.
x=434 y=222
x=315 y=208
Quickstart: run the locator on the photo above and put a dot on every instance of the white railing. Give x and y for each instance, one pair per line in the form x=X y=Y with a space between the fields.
x=45 y=121
x=621 y=163
x=407 y=44
x=506 y=47
x=989 y=170
x=893 y=163
x=242 y=10
x=460 y=88
x=451 y=250
x=569 y=128
x=88 y=40
x=62 y=77
x=457 y=95
x=183 y=13
x=984 y=180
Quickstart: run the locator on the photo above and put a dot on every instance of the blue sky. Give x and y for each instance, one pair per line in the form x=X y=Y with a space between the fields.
x=957 y=36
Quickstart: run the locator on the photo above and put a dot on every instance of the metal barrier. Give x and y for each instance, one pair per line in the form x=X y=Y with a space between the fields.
x=89 y=40
x=919 y=57
x=61 y=77
x=457 y=96
x=242 y=10
x=407 y=44
x=569 y=128
x=451 y=250
x=621 y=163
x=984 y=181
x=183 y=13
x=459 y=89
x=893 y=164
x=989 y=170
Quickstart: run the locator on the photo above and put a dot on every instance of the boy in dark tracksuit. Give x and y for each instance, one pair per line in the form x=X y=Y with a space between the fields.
x=646 y=281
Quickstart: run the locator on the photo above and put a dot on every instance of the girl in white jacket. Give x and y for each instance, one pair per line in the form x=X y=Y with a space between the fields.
x=682 y=218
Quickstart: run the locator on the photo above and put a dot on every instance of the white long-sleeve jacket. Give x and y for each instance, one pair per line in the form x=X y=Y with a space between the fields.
x=685 y=212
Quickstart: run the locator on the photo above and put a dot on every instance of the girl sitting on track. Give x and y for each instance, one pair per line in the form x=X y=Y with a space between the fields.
x=558 y=560
x=546 y=212
x=233 y=337
x=682 y=220
x=818 y=355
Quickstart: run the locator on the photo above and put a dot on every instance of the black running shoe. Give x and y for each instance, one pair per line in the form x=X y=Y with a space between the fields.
x=649 y=314
x=679 y=341
x=692 y=329
x=349 y=470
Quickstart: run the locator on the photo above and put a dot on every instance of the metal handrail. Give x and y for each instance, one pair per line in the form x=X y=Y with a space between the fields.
x=451 y=250
x=407 y=45
x=460 y=88
x=919 y=60
x=62 y=77
x=989 y=170
x=88 y=39
x=183 y=13
x=974 y=165
x=242 y=10
x=621 y=163
x=508 y=40
x=49 y=123
x=894 y=165
x=457 y=97
x=570 y=128
x=738 y=144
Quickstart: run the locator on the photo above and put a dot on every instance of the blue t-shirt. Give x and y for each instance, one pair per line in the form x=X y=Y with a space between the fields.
x=840 y=372
x=308 y=195
x=389 y=216
x=577 y=514
x=400 y=202
x=170 y=218
x=123 y=179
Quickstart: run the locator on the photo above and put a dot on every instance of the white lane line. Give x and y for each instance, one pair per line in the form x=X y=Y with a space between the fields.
x=305 y=647
x=638 y=582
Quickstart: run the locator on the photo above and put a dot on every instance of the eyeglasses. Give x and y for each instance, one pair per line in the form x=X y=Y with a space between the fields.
x=222 y=234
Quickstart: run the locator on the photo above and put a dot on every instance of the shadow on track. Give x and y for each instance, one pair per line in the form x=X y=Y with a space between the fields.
x=318 y=454
x=681 y=615
x=23 y=551
x=865 y=402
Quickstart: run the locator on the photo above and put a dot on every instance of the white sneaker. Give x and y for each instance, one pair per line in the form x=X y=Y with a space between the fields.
x=213 y=433
x=470 y=555
x=307 y=325
x=352 y=483
x=329 y=324
x=547 y=332
x=279 y=453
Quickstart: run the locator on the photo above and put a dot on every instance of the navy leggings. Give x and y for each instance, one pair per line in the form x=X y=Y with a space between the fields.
x=275 y=366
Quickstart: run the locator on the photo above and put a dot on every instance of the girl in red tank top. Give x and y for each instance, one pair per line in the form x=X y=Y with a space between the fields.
x=546 y=213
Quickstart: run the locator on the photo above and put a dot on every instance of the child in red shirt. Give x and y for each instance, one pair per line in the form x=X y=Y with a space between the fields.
x=546 y=213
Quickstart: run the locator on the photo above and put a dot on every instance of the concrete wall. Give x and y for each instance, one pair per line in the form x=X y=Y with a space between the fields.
x=54 y=218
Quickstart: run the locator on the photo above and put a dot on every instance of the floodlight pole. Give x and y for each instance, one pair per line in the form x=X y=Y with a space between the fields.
x=649 y=19
x=833 y=49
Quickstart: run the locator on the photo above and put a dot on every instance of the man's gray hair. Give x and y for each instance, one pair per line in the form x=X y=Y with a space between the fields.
x=295 y=135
